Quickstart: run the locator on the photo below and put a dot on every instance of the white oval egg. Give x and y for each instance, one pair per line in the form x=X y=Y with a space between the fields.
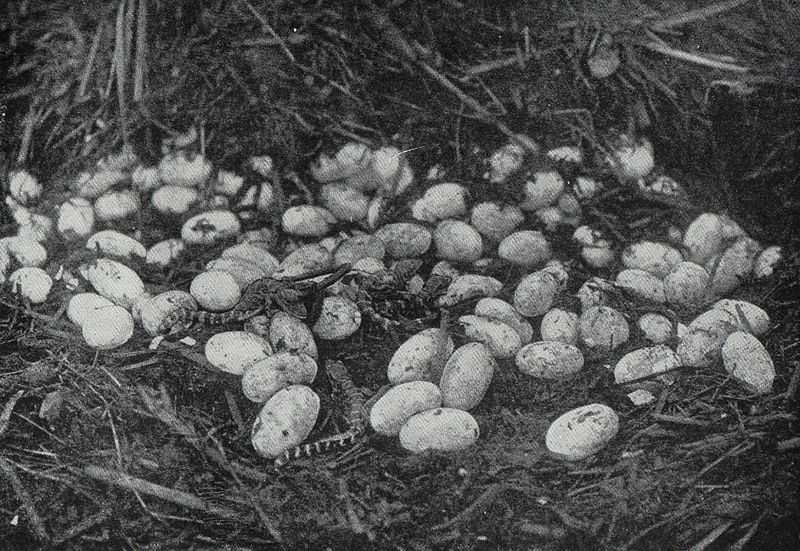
x=535 y=294
x=440 y=429
x=234 y=351
x=457 y=241
x=339 y=318
x=209 y=227
x=467 y=376
x=287 y=333
x=215 y=291
x=439 y=202
x=393 y=409
x=421 y=357
x=107 y=328
x=404 y=239
x=686 y=285
x=549 y=360
x=525 y=248
x=285 y=421
x=174 y=200
x=114 y=243
x=656 y=258
x=582 y=432
x=83 y=304
x=32 y=284
x=645 y=362
x=155 y=311
x=114 y=280
x=262 y=379
x=746 y=359
x=603 y=329
x=560 y=326
x=469 y=286
x=500 y=310
x=307 y=221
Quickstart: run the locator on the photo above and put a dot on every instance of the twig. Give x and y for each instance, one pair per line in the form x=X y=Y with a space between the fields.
x=694 y=58
x=5 y=417
x=37 y=525
x=696 y=15
x=127 y=482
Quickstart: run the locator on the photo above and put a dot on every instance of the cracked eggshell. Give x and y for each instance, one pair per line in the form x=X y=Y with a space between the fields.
x=307 y=221
x=495 y=221
x=344 y=203
x=155 y=311
x=501 y=340
x=633 y=159
x=766 y=262
x=440 y=429
x=549 y=360
x=543 y=191
x=263 y=378
x=145 y=178
x=593 y=292
x=467 y=287
x=657 y=328
x=500 y=310
x=215 y=290
x=526 y=248
x=440 y=201
x=504 y=162
x=582 y=432
x=178 y=169
x=138 y=304
x=749 y=317
x=550 y=217
x=734 y=266
x=114 y=243
x=243 y=272
x=227 y=183
x=400 y=402
x=209 y=227
x=338 y=319
x=653 y=257
x=560 y=326
x=108 y=328
x=467 y=376
x=116 y=205
x=686 y=285
x=643 y=285
x=404 y=239
x=38 y=227
x=24 y=187
x=566 y=154
x=586 y=188
x=263 y=260
x=234 y=351
x=457 y=241
x=351 y=160
x=421 y=358
x=645 y=362
x=305 y=259
x=82 y=305
x=94 y=183
x=26 y=251
x=174 y=200
x=535 y=294
x=603 y=329
x=700 y=347
x=703 y=238
x=114 y=280
x=287 y=333
x=33 y=284
x=164 y=252
x=746 y=359
x=285 y=421
x=358 y=247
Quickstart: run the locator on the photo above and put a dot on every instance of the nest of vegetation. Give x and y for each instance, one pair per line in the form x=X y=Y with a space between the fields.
x=149 y=450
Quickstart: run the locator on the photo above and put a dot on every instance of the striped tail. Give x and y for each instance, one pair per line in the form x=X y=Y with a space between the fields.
x=317 y=447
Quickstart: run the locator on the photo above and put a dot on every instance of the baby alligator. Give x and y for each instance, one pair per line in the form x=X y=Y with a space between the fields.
x=355 y=418
x=287 y=294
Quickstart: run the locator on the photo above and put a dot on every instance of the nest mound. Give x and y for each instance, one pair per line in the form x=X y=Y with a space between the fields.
x=147 y=450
